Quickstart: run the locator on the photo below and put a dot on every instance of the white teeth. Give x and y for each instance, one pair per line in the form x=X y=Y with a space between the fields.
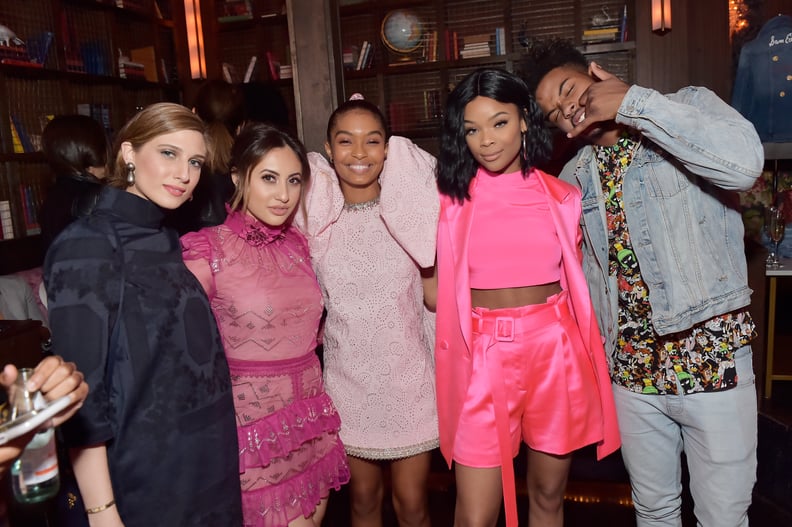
x=582 y=116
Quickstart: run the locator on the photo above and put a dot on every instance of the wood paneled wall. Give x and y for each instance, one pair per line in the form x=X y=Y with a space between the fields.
x=697 y=50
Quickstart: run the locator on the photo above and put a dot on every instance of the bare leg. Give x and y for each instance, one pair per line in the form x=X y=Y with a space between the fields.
x=547 y=480
x=479 y=496
x=410 y=492
x=366 y=492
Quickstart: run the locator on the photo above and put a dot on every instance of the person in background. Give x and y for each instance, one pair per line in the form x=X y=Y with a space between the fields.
x=55 y=378
x=257 y=272
x=264 y=103
x=76 y=148
x=155 y=441
x=665 y=262
x=222 y=107
x=371 y=228
x=18 y=301
x=518 y=353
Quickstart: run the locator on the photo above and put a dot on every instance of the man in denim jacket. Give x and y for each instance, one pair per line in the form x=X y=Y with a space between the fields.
x=664 y=258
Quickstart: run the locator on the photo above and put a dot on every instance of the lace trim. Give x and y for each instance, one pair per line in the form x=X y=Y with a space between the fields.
x=286 y=430
x=392 y=453
x=253 y=231
x=365 y=205
x=280 y=504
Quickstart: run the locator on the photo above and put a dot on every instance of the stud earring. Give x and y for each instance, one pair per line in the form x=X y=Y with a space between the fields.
x=130 y=173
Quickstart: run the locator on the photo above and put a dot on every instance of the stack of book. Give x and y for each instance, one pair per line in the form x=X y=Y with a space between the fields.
x=476 y=46
x=365 y=56
x=131 y=70
x=601 y=34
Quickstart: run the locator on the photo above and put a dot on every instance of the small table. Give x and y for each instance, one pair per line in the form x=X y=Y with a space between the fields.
x=773 y=275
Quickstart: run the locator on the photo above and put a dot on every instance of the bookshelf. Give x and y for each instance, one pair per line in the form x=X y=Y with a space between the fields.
x=458 y=36
x=65 y=59
x=248 y=40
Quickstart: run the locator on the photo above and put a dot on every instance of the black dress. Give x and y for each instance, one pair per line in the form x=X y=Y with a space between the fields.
x=160 y=394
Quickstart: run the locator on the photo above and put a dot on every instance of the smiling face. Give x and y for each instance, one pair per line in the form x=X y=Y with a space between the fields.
x=358 y=149
x=558 y=95
x=274 y=186
x=167 y=168
x=493 y=132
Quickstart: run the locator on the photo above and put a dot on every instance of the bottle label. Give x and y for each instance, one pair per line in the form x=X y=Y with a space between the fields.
x=40 y=460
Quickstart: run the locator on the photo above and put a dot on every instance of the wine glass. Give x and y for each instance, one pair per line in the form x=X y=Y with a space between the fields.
x=775 y=226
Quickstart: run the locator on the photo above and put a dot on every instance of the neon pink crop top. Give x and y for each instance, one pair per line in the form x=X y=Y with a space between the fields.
x=513 y=240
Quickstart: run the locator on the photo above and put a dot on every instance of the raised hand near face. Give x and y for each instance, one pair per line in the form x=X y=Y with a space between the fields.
x=601 y=99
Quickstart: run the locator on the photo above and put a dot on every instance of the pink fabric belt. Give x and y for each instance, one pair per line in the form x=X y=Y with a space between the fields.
x=503 y=325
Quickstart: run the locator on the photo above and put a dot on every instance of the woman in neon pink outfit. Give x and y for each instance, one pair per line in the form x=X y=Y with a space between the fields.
x=264 y=294
x=519 y=355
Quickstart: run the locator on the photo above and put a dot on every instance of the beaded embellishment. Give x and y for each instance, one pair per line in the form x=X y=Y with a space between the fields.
x=365 y=205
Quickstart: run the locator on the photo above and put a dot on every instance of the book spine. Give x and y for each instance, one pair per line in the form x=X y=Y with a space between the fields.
x=250 y=68
x=18 y=148
x=623 y=33
x=274 y=66
x=362 y=56
x=24 y=139
x=5 y=220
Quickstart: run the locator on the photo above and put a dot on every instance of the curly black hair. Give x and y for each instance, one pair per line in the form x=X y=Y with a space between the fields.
x=542 y=56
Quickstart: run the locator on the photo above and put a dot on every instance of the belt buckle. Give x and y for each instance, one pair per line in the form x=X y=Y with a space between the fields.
x=504 y=329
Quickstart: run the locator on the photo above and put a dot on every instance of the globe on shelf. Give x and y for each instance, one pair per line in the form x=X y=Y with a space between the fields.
x=402 y=32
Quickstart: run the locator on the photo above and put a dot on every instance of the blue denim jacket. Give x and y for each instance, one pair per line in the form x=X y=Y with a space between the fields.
x=683 y=219
x=762 y=86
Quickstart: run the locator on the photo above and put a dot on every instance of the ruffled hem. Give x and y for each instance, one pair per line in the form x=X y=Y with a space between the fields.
x=286 y=430
x=277 y=505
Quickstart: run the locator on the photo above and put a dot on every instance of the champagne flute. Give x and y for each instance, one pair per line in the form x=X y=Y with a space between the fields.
x=775 y=225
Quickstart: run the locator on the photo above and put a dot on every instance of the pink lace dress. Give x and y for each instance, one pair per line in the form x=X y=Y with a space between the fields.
x=378 y=337
x=268 y=305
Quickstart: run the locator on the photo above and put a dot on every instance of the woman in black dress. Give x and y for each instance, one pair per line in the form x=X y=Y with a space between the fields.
x=155 y=442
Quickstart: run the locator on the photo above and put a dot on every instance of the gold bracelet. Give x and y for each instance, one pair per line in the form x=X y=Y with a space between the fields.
x=100 y=508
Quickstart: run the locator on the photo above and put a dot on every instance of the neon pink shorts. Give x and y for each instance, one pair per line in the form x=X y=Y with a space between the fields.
x=533 y=380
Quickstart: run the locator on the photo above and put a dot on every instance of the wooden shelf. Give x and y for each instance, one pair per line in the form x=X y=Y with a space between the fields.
x=773 y=151
x=606 y=47
x=408 y=93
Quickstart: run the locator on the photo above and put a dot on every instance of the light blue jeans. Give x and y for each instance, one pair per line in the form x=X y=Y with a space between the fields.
x=717 y=432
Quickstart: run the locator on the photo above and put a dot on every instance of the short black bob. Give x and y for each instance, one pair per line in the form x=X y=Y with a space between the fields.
x=456 y=166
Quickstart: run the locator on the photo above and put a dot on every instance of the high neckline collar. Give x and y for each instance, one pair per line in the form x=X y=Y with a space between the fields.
x=253 y=231
x=131 y=207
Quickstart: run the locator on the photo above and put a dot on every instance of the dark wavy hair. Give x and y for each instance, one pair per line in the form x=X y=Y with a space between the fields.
x=73 y=143
x=355 y=104
x=546 y=55
x=456 y=166
x=255 y=141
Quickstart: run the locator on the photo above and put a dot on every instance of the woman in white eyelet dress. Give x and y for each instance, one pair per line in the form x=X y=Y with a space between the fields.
x=371 y=227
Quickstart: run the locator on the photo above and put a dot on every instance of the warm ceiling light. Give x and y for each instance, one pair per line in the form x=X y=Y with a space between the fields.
x=661 y=16
x=195 y=43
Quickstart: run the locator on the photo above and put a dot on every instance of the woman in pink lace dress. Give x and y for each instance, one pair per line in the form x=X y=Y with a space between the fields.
x=266 y=299
x=371 y=226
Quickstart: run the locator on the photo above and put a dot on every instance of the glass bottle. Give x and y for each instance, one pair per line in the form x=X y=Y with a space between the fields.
x=34 y=475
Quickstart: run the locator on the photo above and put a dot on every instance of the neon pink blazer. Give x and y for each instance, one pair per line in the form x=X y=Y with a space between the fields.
x=454 y=327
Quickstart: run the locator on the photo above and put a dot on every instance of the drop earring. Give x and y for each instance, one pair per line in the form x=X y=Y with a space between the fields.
x=524 y=151
x=130 y=174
